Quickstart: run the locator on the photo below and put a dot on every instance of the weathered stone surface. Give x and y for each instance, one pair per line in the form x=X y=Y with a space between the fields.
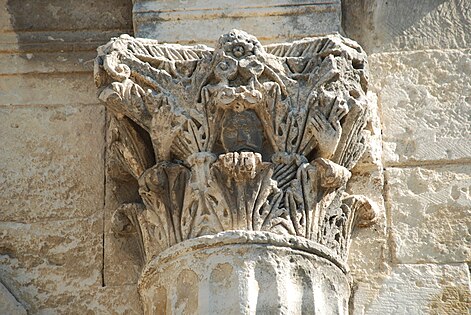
x=430 y=213
x=113 y=300
x=369 y=251
x=201 y=21
x=61 y=15
x=64 y=62
x=51 y=162
x=8 y=303
x=31 y=26
x=396 y=25
x=426 y=105
x=241 y=137
x=47 y=89
x=55 y=41
x=372 y=158
x=416 y=289
x=244 y=272
x=425 y=93
x=45 y=263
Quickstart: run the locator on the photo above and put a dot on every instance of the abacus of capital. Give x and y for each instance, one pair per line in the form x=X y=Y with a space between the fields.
x=242 y=154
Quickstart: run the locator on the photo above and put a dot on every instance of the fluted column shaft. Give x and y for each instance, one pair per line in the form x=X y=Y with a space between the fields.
x=239 y=272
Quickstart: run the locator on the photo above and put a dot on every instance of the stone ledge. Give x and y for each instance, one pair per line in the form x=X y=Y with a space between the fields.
x=174 y=21
x=55 y=41
x=47 y=62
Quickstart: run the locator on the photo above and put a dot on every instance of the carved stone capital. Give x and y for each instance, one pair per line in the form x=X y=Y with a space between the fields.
x=239 y=137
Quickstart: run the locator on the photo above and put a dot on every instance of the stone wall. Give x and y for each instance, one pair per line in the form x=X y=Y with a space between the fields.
x=57 y=253
x=420 y=66
x=52 y=130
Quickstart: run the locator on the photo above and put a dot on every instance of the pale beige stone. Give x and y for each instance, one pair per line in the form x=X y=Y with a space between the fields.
x=372 y=159
x=51 y=162
x=258 y=139
x=48 y=89
x=416 y=290
x=245 y=272
x=47 y=62
x=430 y=213
x=45 y=263
x=369 y=252
x=50 y=170
x=108 y=300
x=122 y=264
x=58 y=26
x=55 y=41
x=425 y=103
x=64 y=15
x=8 y=303
x=201 y=21
x=228 y=146
x=397 y=25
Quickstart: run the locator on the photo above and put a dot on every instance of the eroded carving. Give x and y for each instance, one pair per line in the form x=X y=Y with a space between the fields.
x=244 y=136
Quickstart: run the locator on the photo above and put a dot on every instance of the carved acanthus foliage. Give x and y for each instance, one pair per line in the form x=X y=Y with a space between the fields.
x=243 y=136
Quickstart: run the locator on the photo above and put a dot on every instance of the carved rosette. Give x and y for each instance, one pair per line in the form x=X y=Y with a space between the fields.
x=240 y=137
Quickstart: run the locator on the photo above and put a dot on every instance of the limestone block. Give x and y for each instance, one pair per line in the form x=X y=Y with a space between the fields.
x=372 y=157
x=430 y=213
x=202 y=21
x=396 y=25
x=426 y=105
x=369 y=251
x=106 y=300
x=9 y=304
x=122 y=263
x=51 y=162
x=61 y=25
x=47 y=89
x=45 y=263
x=416 y=289
x=122 y=258
x=62 y=15
x=44 y=62
x=56 y=41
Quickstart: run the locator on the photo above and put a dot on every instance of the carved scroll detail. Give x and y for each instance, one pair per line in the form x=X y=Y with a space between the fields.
x=243 y=136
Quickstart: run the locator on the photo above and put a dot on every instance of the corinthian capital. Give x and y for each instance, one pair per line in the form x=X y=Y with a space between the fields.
x=238 y=137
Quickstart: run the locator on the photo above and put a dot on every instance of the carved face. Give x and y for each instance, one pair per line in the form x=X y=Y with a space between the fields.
x=241 y=132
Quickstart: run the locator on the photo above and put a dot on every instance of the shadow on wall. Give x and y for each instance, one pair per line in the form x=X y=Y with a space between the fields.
x=378 y=23
x=67 y=25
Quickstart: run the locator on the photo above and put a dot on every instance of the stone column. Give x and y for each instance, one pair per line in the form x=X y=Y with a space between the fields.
x=241 y=155
x=245 y=272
